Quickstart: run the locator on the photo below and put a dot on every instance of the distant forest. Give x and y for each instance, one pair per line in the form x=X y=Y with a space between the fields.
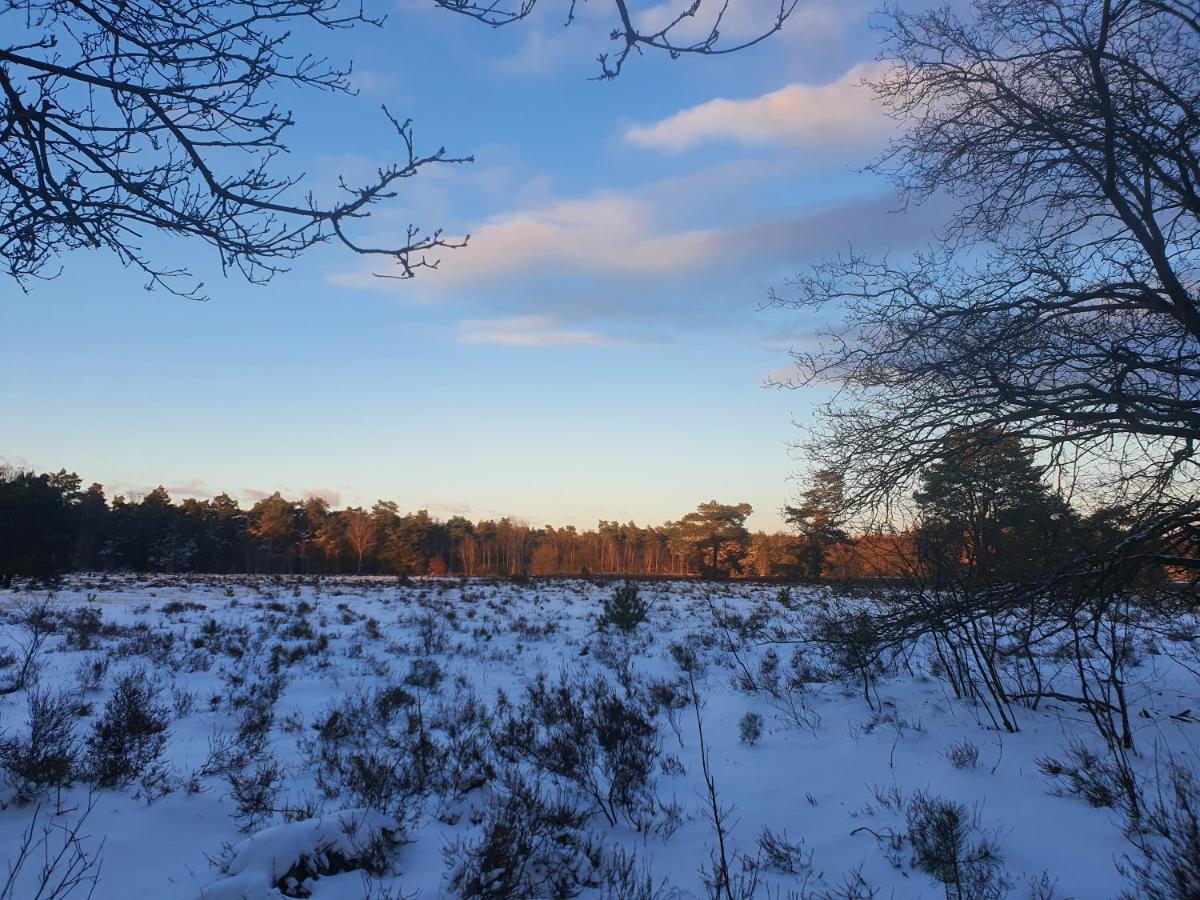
x=50 y=523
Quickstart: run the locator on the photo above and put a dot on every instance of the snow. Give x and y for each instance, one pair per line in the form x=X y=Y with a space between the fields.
x=258 y=863
x=826 y=782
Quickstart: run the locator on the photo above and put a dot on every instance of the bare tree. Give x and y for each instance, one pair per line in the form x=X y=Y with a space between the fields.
x=123 y=118
x=1063 y=307
x=360 y=533
x=678 y=34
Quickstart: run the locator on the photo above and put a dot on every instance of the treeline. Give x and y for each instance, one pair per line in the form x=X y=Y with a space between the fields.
x=50 y=523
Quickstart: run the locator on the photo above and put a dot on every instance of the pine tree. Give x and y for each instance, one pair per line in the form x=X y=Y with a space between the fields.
x=717 y=534
x=986 y=514
x=818 y=520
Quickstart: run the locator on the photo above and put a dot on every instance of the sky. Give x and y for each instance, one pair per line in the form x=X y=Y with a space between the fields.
x=600 y=348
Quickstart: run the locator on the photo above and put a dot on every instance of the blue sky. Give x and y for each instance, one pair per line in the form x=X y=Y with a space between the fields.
x=597 y=351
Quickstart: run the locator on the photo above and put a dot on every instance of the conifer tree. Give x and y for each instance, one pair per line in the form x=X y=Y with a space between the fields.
x=818 y=519
x=986 y=514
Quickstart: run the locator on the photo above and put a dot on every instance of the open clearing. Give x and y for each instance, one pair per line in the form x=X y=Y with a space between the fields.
x=318 y=729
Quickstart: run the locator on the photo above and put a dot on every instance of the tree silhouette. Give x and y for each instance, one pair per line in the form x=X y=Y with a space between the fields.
x=1062 y=307
x=985 y=514
x=117 y=119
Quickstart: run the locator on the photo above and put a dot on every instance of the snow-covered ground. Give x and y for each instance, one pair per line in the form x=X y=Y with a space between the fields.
x=830 y=771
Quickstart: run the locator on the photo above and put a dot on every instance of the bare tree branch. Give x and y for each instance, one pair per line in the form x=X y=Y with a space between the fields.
x=119 y=118
x=672 y=38
x=1064 y=306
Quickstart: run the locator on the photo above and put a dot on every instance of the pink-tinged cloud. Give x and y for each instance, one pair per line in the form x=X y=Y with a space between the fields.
x=253 y=495
x=610 y=241
x=441 y=510
x=605 y=234
x=192 y=488
x=525 y=331
x=330 y=496
x=842 y=113
x=608 y=233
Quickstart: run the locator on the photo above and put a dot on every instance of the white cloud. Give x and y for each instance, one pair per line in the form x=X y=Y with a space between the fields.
x=798 y=342
x=371 y=83
x=538 y=54
x=525 y=331
x=783 y=376
x=604 y=234
x=16 y=462
x=607 y=233
x=179 y=490
x=611 y=269
x=840 y=113
x=329 y=495
x=193 y=487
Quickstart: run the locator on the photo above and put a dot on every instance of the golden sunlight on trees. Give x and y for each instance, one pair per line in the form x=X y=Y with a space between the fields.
x=73 y=528
x=715 y=536
x=818 y=519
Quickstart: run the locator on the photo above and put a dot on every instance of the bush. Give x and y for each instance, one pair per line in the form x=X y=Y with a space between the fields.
x=590 y=739
x=776 y=852
x=963 y=754
x=528 y=846
x=424 y=674
x=37 y=621
x=89 y=675
x=628 y=878
x=377 y=750
x=82 y=626
x=1168 y=842
x=255 y=792
x=750 y=728
x=1084 y=774
x=254 y=727
x=130 y=734
x=852 y=641
x=46 y=755
x=462 y=730
x=624 y=609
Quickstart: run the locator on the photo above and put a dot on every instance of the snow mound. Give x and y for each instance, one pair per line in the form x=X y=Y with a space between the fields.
x=283 y=860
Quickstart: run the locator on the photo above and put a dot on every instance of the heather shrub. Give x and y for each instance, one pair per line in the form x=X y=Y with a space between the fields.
x=963 y=754
x=1084 y=774
x=528 y=845
x=1166 y=838
x=130 y=734
x=45 y=754
x=750 y=728
x=254 y=792
x=589 y=737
